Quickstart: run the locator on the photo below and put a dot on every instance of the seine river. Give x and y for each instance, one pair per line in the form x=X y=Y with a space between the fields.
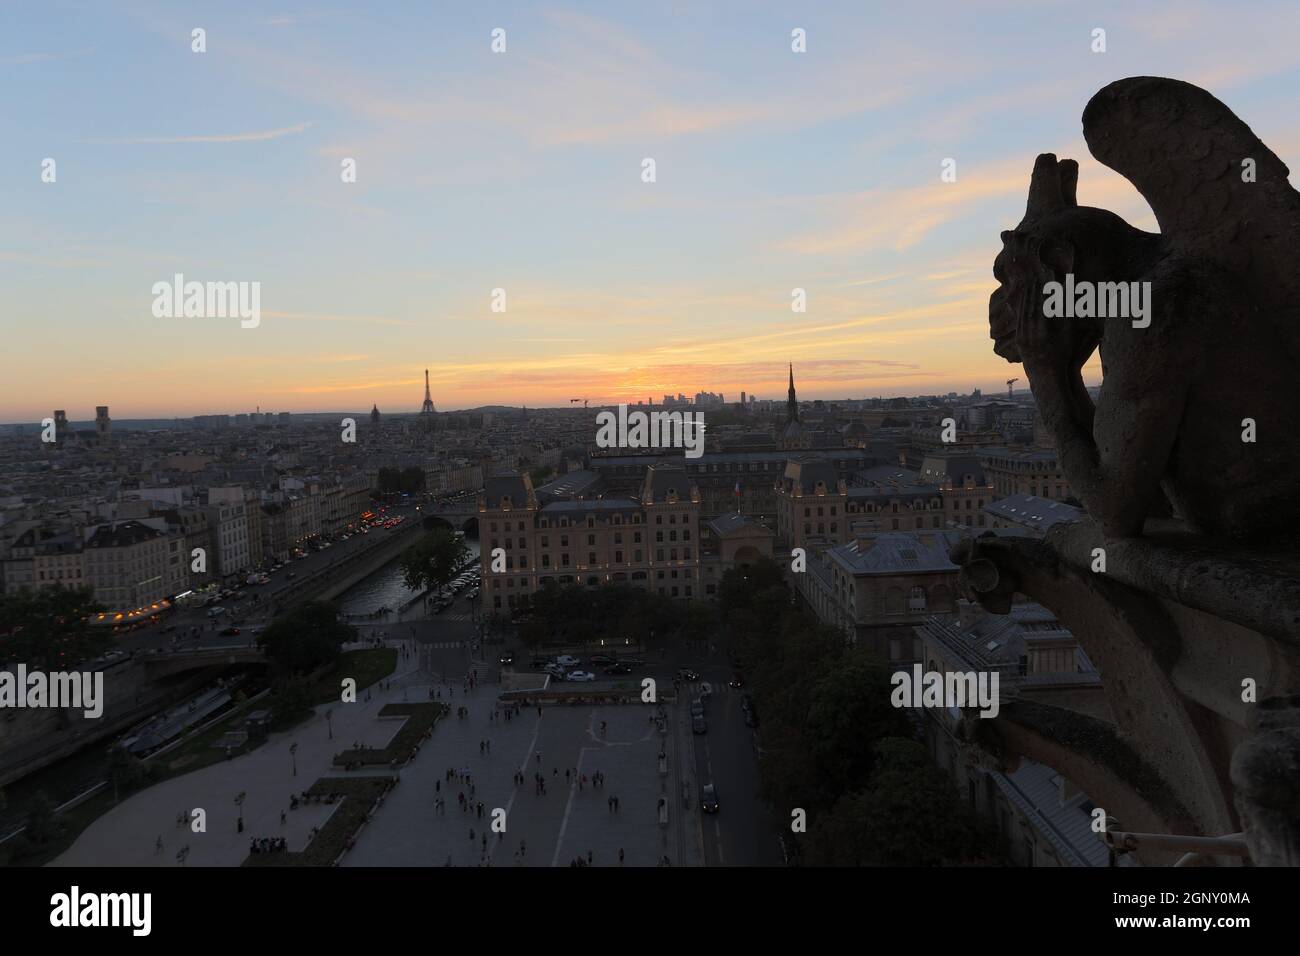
x=385 y=587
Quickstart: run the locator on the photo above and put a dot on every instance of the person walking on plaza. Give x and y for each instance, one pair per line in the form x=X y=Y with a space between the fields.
x=620 y=856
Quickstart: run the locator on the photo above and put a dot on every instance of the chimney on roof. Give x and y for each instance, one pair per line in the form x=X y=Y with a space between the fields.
x=865 y=532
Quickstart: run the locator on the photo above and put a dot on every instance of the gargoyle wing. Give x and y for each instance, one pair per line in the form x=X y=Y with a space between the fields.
x=1185 y=152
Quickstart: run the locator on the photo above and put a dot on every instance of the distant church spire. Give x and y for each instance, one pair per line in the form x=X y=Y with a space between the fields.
x=792 y=403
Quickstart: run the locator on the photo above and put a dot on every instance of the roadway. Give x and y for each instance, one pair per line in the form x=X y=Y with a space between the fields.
x=743 y=831
x=254 y=608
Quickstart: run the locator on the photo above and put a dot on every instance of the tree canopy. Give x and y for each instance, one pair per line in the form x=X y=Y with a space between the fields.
x=50 y=629
x=306 y=637
x=433 y=560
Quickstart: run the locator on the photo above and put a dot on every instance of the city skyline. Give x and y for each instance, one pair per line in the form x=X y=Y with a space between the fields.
x=522 y=171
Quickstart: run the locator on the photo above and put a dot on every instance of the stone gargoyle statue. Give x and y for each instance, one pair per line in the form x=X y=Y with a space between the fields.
x=1201 y=348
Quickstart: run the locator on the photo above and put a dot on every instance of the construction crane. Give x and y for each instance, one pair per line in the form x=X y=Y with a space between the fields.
x=1010 y=382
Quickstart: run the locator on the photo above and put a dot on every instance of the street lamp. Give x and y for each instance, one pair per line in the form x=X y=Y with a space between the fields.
x=329 y=719
x=239 y=802
x=293 y=755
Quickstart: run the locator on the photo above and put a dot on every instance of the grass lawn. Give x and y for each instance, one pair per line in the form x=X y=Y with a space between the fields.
x=365 y=667
x=358 y=795
x=420 y=718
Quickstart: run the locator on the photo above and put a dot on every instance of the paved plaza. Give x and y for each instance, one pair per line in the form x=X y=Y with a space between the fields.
x=572 y=819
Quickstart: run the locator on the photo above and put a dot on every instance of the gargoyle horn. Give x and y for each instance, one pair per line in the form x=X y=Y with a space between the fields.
x=1052 y=186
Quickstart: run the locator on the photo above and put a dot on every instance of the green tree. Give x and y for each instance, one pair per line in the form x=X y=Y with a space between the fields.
x=126 y=770
x=411 y=480
x=50 y=629
x=307 y=637
x=908 y=814
x=433 y=560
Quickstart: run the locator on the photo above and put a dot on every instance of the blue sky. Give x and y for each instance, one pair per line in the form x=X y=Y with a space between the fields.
x=521 y=171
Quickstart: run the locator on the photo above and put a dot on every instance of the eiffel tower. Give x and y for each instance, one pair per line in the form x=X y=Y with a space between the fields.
x=428 y=408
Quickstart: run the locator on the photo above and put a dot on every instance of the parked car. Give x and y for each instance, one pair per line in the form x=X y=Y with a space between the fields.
x=697 y=708
x=600 y=659
x=555 y=670
x=216 y=611
x=567 y=660
x=698 y=726
x=622 y=668
x=229 y=631
x=581 y=676
x=709 y=798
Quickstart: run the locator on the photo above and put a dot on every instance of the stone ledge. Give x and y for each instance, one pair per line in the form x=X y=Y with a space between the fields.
x=1259 y=590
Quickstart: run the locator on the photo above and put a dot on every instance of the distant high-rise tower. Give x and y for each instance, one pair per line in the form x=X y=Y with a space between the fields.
x=374 y=414
x=792 y=403
x=742 y=398
x=61 y=428
x=103 y=424
x=428 y=408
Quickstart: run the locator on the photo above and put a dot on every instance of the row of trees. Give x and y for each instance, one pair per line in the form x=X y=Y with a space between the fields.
x=614 y=612
x=833 y=744
x=397 y=480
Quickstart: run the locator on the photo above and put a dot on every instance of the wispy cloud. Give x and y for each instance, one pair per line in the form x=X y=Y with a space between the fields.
x=21 y=59
x=250 y=137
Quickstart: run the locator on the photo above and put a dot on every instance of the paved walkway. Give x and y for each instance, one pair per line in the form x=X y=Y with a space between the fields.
x=568 y=821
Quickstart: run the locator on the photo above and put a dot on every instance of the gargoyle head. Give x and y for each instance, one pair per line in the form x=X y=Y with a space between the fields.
x=1056 y=237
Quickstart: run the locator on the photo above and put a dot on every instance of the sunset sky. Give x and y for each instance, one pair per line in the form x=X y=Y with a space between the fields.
x=522 y=171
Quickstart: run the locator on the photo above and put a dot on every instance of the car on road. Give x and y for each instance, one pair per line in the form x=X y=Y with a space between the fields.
x=581 y=676
x=507 y=658
x=698 y=726
x=737 y=681
x=633 y=662
x=229 y=631
x=216 y=611
x=709 y=798
x=620 y=668
x=555 y=670
x=567 y=660
x=600 y=659
x=697 y=708
x=292 y=574
x=686 y=674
